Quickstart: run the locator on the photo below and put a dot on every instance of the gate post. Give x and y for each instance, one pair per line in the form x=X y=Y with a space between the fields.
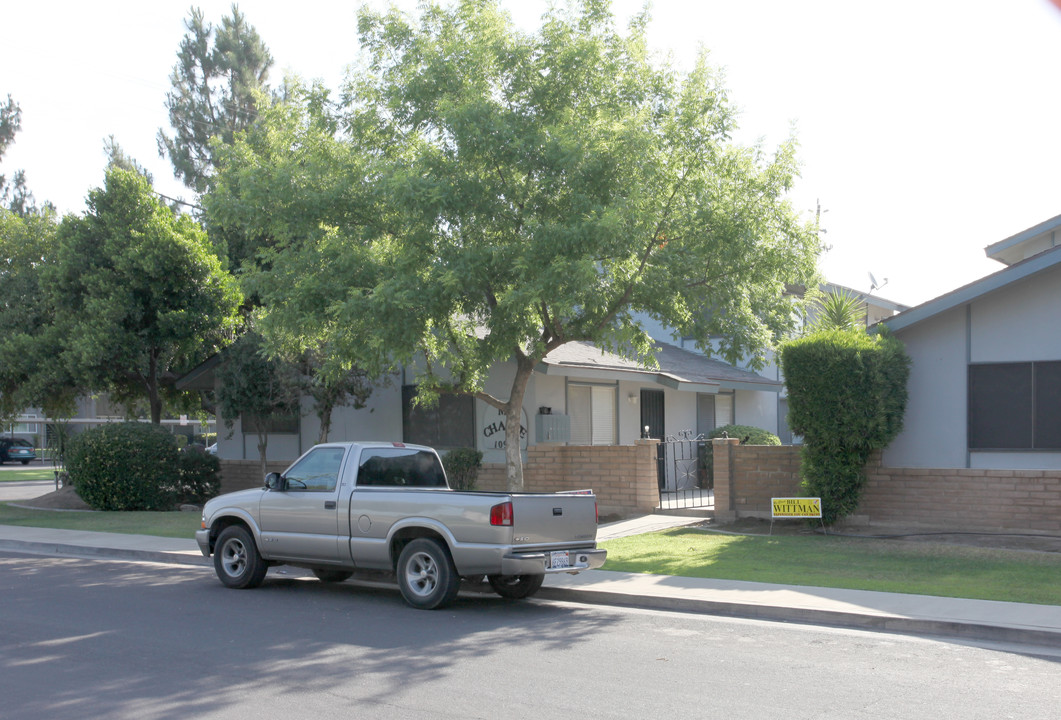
x=722 y=449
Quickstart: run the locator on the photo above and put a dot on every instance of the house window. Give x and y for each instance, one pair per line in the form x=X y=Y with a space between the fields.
x=723 y=409
x=450 y=423
x=592 y=411
x=281 y=424
x=1015 y=406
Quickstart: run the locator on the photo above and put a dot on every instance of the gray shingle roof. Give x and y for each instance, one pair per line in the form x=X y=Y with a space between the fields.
x=678 y=368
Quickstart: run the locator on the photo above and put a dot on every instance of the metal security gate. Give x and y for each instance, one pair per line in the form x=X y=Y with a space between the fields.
x=685 y=472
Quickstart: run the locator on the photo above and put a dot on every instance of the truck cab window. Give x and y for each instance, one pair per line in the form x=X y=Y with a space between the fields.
x=400 y=467
x=318 y=471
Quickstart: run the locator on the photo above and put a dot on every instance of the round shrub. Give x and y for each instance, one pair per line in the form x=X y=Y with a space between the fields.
x=747 y=434
x=125 y=466
x=462 y=467
x=199 y=476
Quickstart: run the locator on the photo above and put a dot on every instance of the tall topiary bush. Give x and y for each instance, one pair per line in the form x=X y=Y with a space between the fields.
x=846 y=397
x=125 y=466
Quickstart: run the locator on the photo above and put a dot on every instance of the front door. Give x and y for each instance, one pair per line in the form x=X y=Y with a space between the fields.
x=301 y=522
x=652 y=413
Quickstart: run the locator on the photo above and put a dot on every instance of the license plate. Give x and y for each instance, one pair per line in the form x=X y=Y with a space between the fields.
x=559 y=559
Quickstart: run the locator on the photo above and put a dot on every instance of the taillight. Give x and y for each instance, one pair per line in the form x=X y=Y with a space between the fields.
x=501 y=514
x=596 y=513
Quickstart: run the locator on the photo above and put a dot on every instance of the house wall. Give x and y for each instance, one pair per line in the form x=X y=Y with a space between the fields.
x=1013 y=324
x=934 y=428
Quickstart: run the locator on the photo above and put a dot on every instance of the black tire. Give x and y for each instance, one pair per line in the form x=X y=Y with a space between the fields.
x=237 y=562
x=25 y=462
x=332 y=576
x=515 y=587
x=426 y=575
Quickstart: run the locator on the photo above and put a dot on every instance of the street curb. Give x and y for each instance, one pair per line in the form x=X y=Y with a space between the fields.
x=773 y=613
x=809 y=616
x=60 y=549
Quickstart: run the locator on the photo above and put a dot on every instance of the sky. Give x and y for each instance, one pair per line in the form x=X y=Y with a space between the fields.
x=928 y=129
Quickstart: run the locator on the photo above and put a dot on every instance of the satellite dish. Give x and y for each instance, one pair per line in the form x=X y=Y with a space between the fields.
x=873 y=282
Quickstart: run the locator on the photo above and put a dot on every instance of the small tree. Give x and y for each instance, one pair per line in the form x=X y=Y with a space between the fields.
x=847 y=397
x=256 y=389
x=838 y=311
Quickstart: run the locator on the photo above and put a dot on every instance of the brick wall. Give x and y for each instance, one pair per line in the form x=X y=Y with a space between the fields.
x=950 y=499
x=964 y=499
x=623 y=477
x=243 y=474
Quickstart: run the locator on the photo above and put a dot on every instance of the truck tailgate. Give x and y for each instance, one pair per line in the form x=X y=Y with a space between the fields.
x=556 y=519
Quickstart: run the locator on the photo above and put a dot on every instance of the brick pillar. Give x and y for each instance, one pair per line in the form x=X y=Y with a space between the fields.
x=722 y=450
x=647 y=474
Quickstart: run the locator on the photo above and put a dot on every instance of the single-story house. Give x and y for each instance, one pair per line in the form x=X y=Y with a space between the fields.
x=985 y=383
x=580 y=395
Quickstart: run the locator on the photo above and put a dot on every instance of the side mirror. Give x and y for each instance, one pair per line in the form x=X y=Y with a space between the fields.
x=274 y=481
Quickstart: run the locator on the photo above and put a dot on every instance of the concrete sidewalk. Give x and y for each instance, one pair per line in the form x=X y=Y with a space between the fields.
x=911 y=614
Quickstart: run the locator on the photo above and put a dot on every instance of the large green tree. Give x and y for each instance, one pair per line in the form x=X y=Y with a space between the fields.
x=14 y=195
x=215 y=92
x=138 y=292
x=31 y=373
x=495 y=194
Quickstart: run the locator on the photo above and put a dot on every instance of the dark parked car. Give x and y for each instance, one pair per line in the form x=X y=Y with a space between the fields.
x=16 y=449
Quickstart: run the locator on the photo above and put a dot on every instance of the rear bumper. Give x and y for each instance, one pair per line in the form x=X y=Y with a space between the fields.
x=538 y=563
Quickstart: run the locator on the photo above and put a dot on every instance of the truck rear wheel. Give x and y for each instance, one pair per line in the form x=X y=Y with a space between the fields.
x=426 y=575
x=236 y=559
x=515 y=587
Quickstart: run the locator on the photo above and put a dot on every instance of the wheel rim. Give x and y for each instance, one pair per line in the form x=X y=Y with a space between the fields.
x=421 y=574
x=234 y=558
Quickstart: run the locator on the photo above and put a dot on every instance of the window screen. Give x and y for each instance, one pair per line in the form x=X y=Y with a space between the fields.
x=1015 y=406
x=448 y=424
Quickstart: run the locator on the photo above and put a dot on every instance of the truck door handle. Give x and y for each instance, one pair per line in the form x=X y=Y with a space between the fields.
x=329 y=504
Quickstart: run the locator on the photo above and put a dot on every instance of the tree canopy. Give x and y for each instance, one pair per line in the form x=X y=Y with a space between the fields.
x=481 y=194
x=137 y=292
x=216 y=84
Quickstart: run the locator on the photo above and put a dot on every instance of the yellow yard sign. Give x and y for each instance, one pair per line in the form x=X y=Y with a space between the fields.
x=796 y=507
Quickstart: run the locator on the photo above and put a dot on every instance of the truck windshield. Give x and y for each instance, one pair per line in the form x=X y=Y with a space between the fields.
x=400 y=467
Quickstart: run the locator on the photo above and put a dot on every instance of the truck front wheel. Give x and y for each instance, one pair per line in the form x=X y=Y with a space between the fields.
x=236 y=559
x=515 y=587
x=426 y=575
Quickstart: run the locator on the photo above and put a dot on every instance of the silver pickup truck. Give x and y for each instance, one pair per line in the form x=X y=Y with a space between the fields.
x=342 y=507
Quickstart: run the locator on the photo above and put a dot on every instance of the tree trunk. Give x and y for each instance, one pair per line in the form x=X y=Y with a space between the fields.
x=325 y=416
x=263 y=443
x=513 y=416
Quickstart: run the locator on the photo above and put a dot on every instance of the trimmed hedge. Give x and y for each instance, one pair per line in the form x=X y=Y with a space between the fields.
x=846 y=397
x=748 y=434
x=462 y=467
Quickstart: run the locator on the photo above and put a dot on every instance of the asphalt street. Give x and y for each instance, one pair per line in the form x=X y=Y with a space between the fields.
x=86 y=638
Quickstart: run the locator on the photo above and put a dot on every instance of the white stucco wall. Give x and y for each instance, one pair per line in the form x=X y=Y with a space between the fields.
x=1013 y=324
x=934 y=428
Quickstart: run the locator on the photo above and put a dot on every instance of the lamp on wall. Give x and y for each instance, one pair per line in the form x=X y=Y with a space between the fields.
x=632 y=398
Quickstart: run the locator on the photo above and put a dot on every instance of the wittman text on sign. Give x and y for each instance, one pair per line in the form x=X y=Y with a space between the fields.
x=798 y=507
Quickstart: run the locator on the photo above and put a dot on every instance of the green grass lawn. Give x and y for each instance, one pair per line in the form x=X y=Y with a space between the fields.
x=30 y=473
x=831 y=561
x=163 y=524
x=814 y=560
